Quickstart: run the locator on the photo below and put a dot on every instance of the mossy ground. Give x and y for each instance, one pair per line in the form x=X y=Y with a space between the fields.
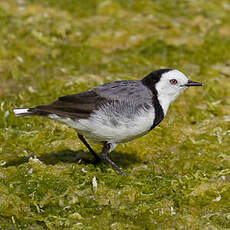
x=179 y=174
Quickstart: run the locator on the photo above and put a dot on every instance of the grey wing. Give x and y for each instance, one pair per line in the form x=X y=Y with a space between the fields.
x=124 y=91
x=126 y=98
x=119 y=96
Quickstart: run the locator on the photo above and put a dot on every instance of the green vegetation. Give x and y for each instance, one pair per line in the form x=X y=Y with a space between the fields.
x=179 y=174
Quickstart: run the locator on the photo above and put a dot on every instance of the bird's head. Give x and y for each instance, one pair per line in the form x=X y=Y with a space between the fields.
x=168 y=83
x=172 y=83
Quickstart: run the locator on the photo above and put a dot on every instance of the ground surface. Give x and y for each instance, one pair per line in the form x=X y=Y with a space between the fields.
x=179 y=174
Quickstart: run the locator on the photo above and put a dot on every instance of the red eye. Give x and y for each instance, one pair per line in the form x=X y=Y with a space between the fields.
x=173 y=81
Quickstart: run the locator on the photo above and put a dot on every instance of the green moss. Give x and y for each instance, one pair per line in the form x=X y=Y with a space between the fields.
x=178 y=174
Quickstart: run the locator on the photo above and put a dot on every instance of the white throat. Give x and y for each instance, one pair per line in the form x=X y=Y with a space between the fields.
x=164 y=102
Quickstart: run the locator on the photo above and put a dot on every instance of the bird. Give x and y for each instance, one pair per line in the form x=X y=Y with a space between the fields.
x=116 y=112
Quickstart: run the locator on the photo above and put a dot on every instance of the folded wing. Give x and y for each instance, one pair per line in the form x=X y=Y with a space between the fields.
x=82 y=105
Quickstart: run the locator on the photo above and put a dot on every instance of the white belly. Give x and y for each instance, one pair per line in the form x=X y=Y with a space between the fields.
x=99 y=127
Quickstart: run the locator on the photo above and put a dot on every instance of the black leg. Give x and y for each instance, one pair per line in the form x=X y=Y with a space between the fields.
x=97 y=158
x=103 y=155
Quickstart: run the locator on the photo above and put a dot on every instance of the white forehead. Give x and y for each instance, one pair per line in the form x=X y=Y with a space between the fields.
x=175 y=74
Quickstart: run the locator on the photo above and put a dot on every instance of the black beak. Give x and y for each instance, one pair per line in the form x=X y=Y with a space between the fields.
x=193 y=83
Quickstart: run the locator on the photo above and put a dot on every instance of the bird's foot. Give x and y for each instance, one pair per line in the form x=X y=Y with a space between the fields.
x=110 y=162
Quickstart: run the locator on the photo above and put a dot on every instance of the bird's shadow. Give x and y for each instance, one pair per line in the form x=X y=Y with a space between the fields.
x=69 y=156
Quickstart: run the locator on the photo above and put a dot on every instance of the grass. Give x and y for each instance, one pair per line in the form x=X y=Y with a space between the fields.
x=179 y=176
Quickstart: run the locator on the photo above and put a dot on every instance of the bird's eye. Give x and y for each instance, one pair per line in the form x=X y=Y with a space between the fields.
x=173 y=81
